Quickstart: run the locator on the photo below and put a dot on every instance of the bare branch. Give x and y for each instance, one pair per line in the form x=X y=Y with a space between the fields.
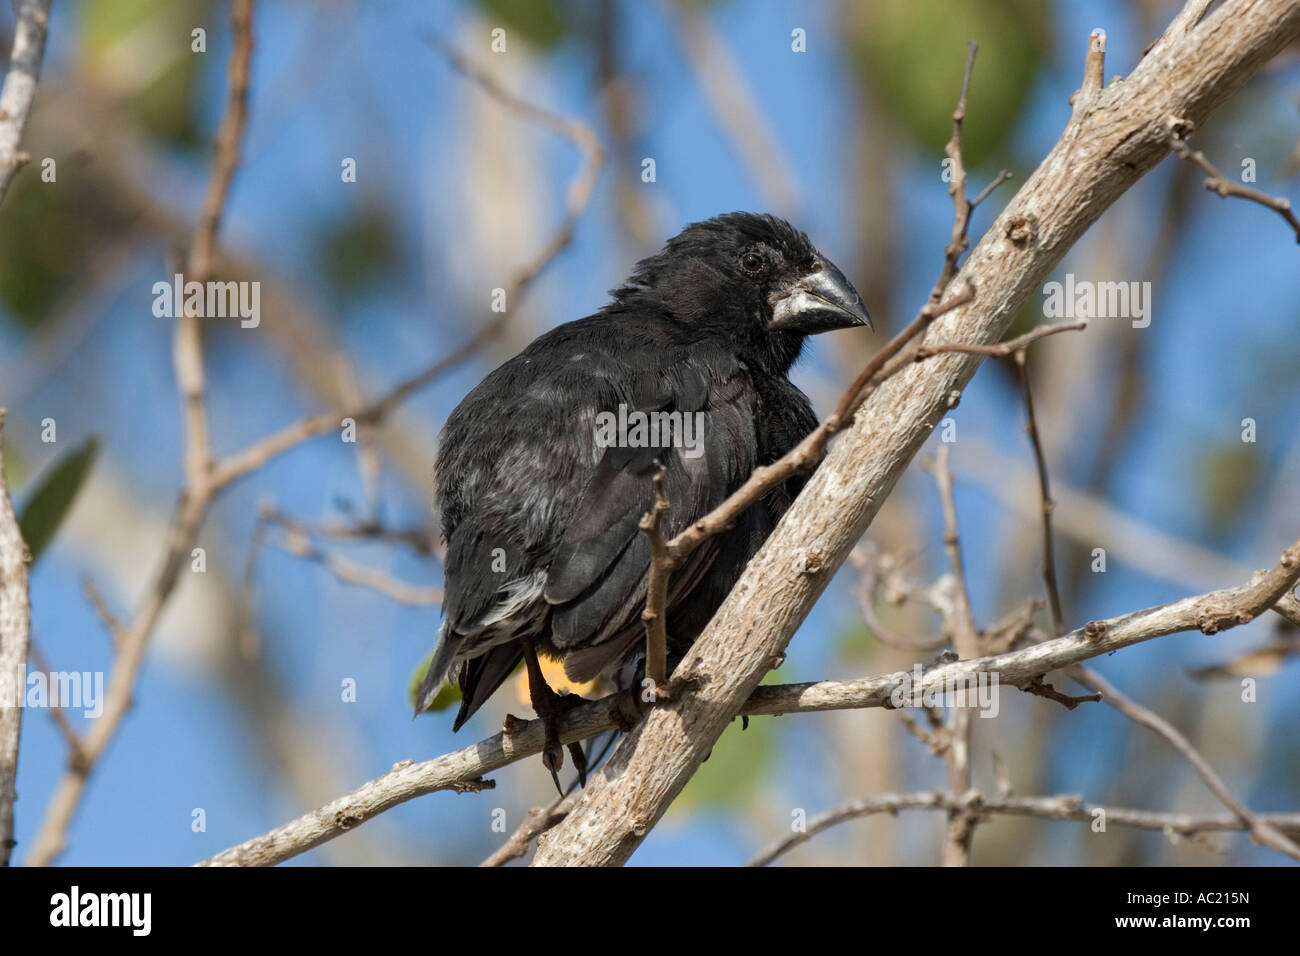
x=1002 y=349
x=1094 y=72
x=965 y=635
x=538 y=821
x=466 y=768
x=1109 y=143
x=1063 y=807
x=1218 y=183
x=957 y=186
x=662 y=565
x=1040 y=688
x=960 y=623
x=15 y=630
x=1045 y=499
x=1260 y=831
x=32 y=20
x=297 y=542
x=70 y=736
x=198 y=490
x=578 y=198
x=102 y=610
x=868 y=583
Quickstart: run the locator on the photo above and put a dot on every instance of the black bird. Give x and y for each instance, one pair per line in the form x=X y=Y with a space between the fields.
x=543 y=473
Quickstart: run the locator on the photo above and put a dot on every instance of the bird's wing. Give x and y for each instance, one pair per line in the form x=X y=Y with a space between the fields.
x=538 y=520
x=597 y=579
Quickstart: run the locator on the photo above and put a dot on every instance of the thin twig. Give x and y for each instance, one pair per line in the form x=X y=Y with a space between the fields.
x=957 y=186
x=102 y=611
x=1040 y=688
x=1001 y=349
x=869 y=580
x=70 y=736
x=655 y=615
x=538 y=821
x=578 y=198
x=199 y=488
x=1216 y=182
x=1260 y=830
x=960 y=623
x=297 y=543
x=1045 y=498
x=1062 y=807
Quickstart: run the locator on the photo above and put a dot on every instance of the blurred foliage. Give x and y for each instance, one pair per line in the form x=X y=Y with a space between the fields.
x=1230 y=474
x=736 y=768
x=14 y=466
x=52 y=232
x=911 y=55
x=359 y=252
x=55 y=495
x=539 y=22
x=125 y=40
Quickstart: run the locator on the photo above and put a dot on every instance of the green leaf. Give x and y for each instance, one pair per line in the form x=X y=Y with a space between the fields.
x=448 y=695
x=1231 y=475
x=139 y=52
x=911 y=54
x=50 y=503
x=360 y=252
x=539 y=22
x=735 y=769
x=14 y=465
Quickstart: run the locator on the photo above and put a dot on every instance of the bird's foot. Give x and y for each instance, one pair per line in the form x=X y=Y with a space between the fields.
x=629 y=707
x=551 y=708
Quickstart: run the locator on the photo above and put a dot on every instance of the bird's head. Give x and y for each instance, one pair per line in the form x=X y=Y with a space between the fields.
x=754 y=275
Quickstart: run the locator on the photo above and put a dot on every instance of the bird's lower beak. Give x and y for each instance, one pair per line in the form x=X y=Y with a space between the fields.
x=821 y=301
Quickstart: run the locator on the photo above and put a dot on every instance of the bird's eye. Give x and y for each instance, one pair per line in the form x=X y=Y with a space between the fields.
x=752 y=263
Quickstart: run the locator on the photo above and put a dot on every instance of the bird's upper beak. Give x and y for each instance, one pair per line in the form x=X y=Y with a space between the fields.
x=821 y=301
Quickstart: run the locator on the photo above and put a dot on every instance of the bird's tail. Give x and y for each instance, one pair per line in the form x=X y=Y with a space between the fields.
x=482 y=675
x=437 y=671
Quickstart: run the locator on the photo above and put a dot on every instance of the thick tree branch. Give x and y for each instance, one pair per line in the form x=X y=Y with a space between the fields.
x=1115 y=135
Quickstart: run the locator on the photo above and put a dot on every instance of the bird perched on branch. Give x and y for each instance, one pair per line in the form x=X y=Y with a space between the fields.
x=546 y=468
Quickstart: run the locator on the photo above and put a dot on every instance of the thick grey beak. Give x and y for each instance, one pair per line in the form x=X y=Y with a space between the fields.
x=821 y=301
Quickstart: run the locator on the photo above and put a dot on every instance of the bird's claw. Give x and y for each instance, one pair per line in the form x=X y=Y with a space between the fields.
x=551 y=708
x=579 y=762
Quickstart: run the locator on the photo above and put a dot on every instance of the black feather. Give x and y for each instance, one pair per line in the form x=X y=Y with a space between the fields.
x=541 y=519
